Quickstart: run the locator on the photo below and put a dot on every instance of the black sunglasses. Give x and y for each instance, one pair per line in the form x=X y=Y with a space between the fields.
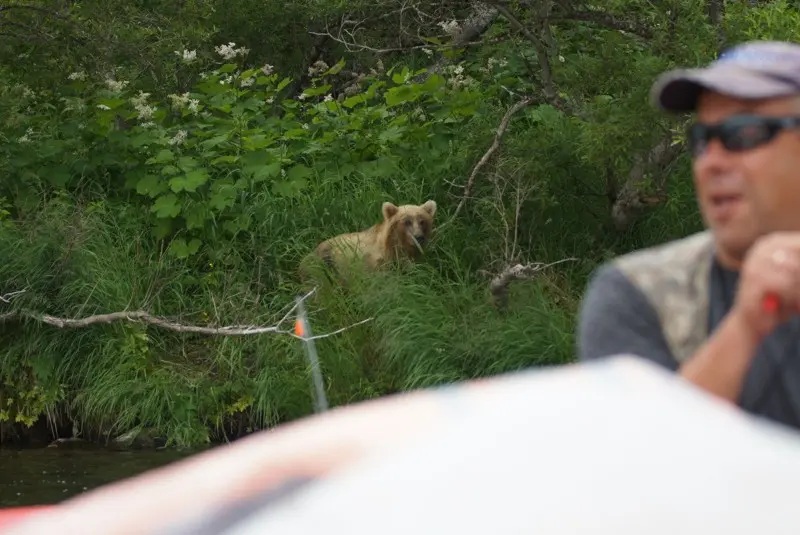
x=739 y=133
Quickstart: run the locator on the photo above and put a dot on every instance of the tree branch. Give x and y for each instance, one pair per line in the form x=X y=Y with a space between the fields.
x=606 y=20
x=146 y=318
x=501 y=130
x=650 y=170
x=548 y=85
x=501 y=282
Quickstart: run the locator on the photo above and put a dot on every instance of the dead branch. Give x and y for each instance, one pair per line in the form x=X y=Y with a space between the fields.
x=606 y=20
x=482 y=17
x=501 y=130
x=409 y=48
x=6 y=298
x=501 y=282
x=146 y=318
x=470 y=30
x=645 y=185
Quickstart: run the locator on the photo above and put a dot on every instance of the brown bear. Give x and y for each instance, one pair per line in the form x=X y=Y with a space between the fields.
x=399 y=237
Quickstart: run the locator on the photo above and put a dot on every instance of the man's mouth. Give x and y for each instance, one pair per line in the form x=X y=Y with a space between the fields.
x=723 y=204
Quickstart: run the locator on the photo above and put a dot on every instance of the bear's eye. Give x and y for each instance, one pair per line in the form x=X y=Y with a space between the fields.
x=407 y=222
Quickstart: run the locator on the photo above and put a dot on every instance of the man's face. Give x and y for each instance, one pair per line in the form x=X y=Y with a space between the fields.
x=746 y=194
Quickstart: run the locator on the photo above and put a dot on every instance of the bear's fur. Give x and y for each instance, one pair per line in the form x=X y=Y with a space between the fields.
x=399 y=237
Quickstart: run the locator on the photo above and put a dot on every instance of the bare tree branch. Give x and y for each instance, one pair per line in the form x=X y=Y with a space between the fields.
x=500 y=283
x=501 y=130
x=645 y=185
x=606 y=20
x=6 y=298
x=380 y=51
x=146 y=318
x=482 y=17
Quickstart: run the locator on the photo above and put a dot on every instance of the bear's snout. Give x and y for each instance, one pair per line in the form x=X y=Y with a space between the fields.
x=420 y=238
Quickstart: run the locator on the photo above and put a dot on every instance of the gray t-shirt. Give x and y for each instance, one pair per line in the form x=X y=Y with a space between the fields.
x=615 y=317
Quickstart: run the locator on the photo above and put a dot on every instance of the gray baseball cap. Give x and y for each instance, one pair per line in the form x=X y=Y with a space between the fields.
x=752 y=70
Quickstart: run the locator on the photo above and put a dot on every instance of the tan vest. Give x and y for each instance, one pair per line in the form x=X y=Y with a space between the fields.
x=675 y=279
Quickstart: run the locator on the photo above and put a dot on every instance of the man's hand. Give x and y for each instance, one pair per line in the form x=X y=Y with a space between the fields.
x=771 y=267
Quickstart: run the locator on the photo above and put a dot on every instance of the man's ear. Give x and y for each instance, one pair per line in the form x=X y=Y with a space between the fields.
x=430 y=207
x=389 y=210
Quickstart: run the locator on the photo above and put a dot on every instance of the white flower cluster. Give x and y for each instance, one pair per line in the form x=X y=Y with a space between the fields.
x=187 y=56
x=451 y=28
x=179 y=138
x=230 y=51
x=181 y=101
x=318 y=68
x=115 y=85
x=144 y=110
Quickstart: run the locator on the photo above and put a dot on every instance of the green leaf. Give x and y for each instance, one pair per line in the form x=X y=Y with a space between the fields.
x=400 y=77
x=393 y=133
x=57 y=176
x=151 y=185
x=257 y=165
x=187 y=163
x=434 y=82
x=228 y=67
x=214 y=141
x=49 y=148
x=163 y=156
x=228 y=158
x=181 y=249
x=400 y=95
x=352 y=102
x=298 y=172
x=335 y=69
x=283 y=83
x=196 y=216
x=190 y=181
x=257 y=142
x=223 y=195
x=112 y=103
x=296 y=181
x=162 y=228
x=142 y=139
x=270 y=170
x=316 y=91
x=286 y=188
x=169 y=170
x=166 y=206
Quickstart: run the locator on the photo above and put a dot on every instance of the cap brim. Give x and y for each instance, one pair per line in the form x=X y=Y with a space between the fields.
x=679 y=90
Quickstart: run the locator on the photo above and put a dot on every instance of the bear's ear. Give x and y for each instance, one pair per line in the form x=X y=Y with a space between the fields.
x=430 y=207
x=389 y=210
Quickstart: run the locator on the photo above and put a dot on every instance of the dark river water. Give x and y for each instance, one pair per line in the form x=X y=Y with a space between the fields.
x=50 y=475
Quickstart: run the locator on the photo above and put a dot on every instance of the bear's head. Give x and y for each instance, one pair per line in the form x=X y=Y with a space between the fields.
x=410 y=225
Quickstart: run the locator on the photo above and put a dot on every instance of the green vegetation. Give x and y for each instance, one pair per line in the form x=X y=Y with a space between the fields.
x=181 y=158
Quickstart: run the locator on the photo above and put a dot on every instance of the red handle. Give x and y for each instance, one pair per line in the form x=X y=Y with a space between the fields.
x=771 y=303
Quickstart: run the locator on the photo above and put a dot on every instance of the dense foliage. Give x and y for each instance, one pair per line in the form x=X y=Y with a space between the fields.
x=181 y=158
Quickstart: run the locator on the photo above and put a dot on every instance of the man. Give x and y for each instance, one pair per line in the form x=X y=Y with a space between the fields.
x=696 y=305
